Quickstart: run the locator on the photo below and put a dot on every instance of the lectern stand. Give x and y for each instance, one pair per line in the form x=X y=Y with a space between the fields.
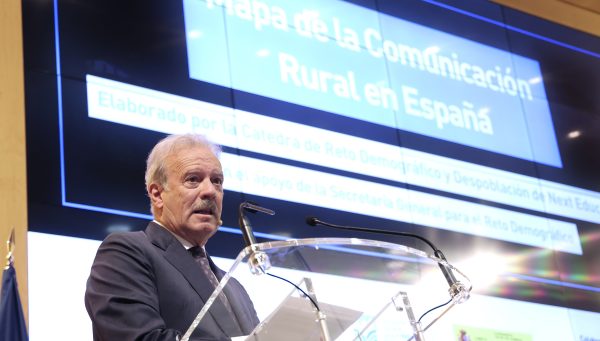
x=340 y=289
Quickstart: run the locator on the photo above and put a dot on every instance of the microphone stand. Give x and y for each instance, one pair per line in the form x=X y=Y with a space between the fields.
x=258 y=261
x=457 y=290
x=321 y=317
x=459 y=293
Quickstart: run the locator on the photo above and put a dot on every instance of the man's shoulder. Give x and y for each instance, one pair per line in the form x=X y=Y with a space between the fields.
x=152 y=236
x=125 y=236
x=125 y=240
x=125 y=247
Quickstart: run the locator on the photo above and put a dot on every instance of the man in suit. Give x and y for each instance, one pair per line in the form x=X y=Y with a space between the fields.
x=145 y=285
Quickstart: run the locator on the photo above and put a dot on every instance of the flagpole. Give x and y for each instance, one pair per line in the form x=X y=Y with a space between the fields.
x=10 y=247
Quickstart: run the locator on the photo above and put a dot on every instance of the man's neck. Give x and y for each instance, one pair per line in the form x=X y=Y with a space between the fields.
x=182 y=240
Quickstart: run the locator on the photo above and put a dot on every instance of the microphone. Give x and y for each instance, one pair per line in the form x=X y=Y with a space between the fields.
x=313 y=221
x=456 y=288
x=258 y=261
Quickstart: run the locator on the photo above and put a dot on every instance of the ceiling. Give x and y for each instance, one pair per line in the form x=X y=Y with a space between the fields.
x=590 y=5
x=582 y=15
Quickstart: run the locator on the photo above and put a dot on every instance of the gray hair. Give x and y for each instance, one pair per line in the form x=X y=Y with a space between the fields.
x=156 y=169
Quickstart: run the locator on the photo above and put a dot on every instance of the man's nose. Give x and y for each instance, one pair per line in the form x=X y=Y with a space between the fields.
x=208 y=189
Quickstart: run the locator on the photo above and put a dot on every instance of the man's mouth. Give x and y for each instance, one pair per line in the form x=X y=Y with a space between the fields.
x=203 y=211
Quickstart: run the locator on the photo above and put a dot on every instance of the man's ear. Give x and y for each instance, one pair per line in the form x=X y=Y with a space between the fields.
x=155 y=193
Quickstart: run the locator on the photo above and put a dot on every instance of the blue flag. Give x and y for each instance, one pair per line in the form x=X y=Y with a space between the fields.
x=12 y=321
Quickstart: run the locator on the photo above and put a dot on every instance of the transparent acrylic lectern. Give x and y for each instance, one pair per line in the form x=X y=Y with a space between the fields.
x=337 y=289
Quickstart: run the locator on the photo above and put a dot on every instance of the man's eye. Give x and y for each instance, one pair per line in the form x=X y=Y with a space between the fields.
x=192 y=179
x=217 y=181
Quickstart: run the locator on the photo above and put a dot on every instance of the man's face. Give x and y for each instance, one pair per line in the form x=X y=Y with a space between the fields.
x=192 y=201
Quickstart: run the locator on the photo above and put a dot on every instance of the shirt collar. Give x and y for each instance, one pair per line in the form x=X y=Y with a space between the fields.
x=187 y=245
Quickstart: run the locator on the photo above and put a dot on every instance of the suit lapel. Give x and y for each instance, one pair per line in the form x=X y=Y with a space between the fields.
x=181 y=260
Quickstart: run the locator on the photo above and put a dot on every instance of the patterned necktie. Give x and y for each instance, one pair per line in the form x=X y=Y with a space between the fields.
x=200 y=257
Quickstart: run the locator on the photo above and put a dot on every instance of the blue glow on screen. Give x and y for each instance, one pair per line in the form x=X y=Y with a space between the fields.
x=373 y=67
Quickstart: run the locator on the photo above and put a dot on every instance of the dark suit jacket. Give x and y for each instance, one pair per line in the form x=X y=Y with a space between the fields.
x=146 y=286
